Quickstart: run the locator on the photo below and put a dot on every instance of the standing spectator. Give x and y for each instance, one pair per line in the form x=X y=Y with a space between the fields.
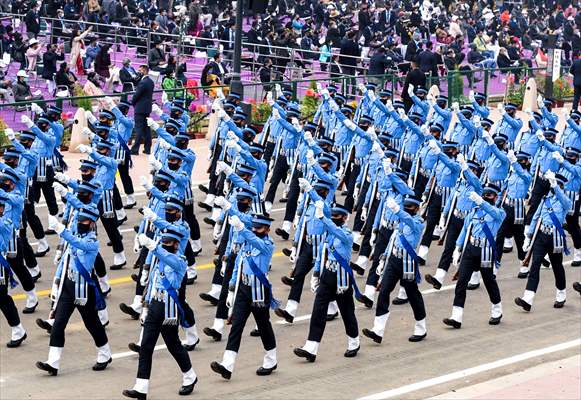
x=78 y=44
x=32 y=54
x=91 y=52
x=32 y=21
x=58 y=27
x=103 y=61
x=335 y=69
x=264 y=74
x=427 y=61
x=142 y=101
x=325 y=54
x=65 y=77
x=413 y=48
x=348 y=57
x=575 y=70
x=53 y=54
x=378 y=65
x=414 y=77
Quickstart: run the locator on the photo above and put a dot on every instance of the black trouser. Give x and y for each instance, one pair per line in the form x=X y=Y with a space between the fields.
x=542 y=246
x=117 y=202
x=189 y=254
x=8 y=307
x=572 y=225
x=368 y=229
x=213 y=184
x=305 y=262
x=190 y=218
x=455 y=225
x=510 y=229
x=222 y=310
x=358 y=224
x=152 y=327
x=32 y=219
x=326 y=293
x=576 y=96
x=20 y=270
x=381 y=242
x=293 y=196
x=278 y=174
x=243 y=307
x=420 y=185
x=470 y=263
x=27 y=252
x=110 y=225
x=126 y=181
x=218 y=278
x=64 y=309
x=393 y=275
x=406 y=165
x=432 y=218
x=47 y=191
x=100 y=269
x=349 y=201
x=268 y=151
x=188 y=312
x=142 y=131
x=540 y=189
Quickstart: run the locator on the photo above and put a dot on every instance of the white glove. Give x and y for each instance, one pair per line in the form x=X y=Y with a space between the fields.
x=90 y=117
x=434 y=147
x=149 y=214
x=371 y=132
x=528 y=111
x=83 y=148
x=236 y=223
x=59 y=189
x=526 y=244
x=471 y=96
x=216 y=105
x=145 y=183
x=155 y=109
x=164 y=145
x=324 y=93
x=152 y=124
x=319 y=207
x=350 y=124
x=410 y=90
x=144 y=241
x=87 y=132
x=221 y=166
x=371 y=95
x=52 y=222
x=304 y=185
x=309 y=139
x=362 y=88
x=232 y=136
x=376 y=147
x=136 y=245
x=233 y=145
x=26 y=121
x=442 y=222
x=500 y=107
x=430 y=99
x=558 y=157
x=425 y=130
x=334 y=106
x=217 y=232
x=565 y=112
x=540 y=135
x=275 y=113
x=511 y=156
x=389 y=105
x=550 y=175
x=381 y=266
x=35 y=108
x=222 y=203
x=59 y=176
x=486 y=136
x=110 y=102
x=363 y=216
x=540 y=101
x=310 y=158
x=269 y=99
x=59 y=228
x=10 y=134
x=455 y=106
x=223 y=115
x=293 y=255
x=462 y=161
x=314 y=283
x=295 y=123
x=402 y=114
x=475 y=198
x=164 y=98
x=155 y=165
x=319 y=87
x=456 y=256
x=386 y=164
x=230 y=299
x=392 y=205
x=476 y=120
x=223 y=268
x=355 y=193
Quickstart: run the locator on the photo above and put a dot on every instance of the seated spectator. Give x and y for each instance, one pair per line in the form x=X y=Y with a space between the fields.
x=21 y=89
x=66 y=77
x=93 y=88
x=168 y=83
x=452 y=63
x=378 y=64
x=128 y=76
x=478 y=59
x=541 y=58
x=507 y=65
x=156 y=58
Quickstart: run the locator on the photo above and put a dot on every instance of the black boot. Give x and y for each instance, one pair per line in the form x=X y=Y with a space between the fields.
x=281 y=312
x=220 y=369
x=45 y=367
x=187 y=389
x=304 y=354
x=372 y=335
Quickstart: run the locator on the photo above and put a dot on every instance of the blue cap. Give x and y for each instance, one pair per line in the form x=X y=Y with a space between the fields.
x=104 y=144
x=250 y=130
x=172 y=123
x=54 y=109
x=245 y=193
x=239 y=114
x=88 y=163
x=43 y=120
x=331 y=88
x=550 y=132
x=437 y=127
x=569 y=151
x=523 y=155
x=490 y=188
x=89 y=187
x=164 y=175
x=549 y=102
x=106 y=114
x=98 y=127
x=339 y=97
x=510 y=106
x=347 y=109
x=321 y=184
x=88 y=212
x=480 y=96
x=449 y=144
x=169 y=234
x=537 y=115
x=371 y=86
x=442 y=98
x=474 y=165
x=124 y=104
x=12 y=152
x=401 y=173
x=234 y=95
x=466 y=109
x=385 y=93
x=390 y=152
x=309 y=126
x=398 y=104
x=417 y=115
x=28 y=135
x=228 y=104
x=255 y=148
x=9 y=173
x=261 y=220
x=182 y=136
x=327 y=158
x=287 y=92
x=421 y=90
x=245 y=169
x=367 y=119
x=339 y=209
x=500 y=137
x=384 y=136
x=412 y=199
x=173 y=202
x=486 y=122
x=325 y=141
x=176 y=153
x=575 y=114
x=177 y=107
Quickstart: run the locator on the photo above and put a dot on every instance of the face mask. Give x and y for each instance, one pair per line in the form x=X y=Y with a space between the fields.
x=181 y=144
x=173 y=166
x=322 y=193
x=384 y=101
x=260 y=234
x=86 y=177
x=500 y=146
x=337 y=221
x=175 y=114
x=5 y=186
x=169 y=248
x=242 y=207
x=83 y=229
x=13 y=162
x=247 y=138
x=85 y=198
x=489 y=200
x=411 y=210
x=364 y=126
x=161 y=186
x=171 y=217
x=571 y=160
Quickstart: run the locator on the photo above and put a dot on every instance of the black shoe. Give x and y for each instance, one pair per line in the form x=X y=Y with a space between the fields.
x=134 y=277
x=304 y=354
x=191 y=347
x=41 y=253
x=129 y=311
x=357 y=268
x=214 y=334
x=372 y=335
x=287 y=252
x=140 y=210
x=494 y=320
x=282 y=233
x=136 y=228
x=203 y=189
x=558 y=304
x=367 y=302
x=265 y=371
x=283 y=200
x=473 y=286
x=129 y=206
x=117 y=267
x=190 y=281
x=220 y=369
x=284 y=314
x=121 y=221
x=506 y=249
x=49 y=232
x=100 y=366
x=397 y=301
x=106 y=293
x=36 y=277
x=209 y=221
x=187 y=389
x=205 y=206
x=523 y=304
x=356 y=247
x=134 y=394
x=217 y=262
x=42 y=324
x=15 y=343
x=421 y=261
x=255 y=332
x=287 y=281
x=45 y=367
x=523 y=275
x=134 y=347
x=451 y=322
x=30 y=310
x=417 y=338
x=577 y=287
x=109 y=243
x=210 y=299
x=148 y=152
x=351 y=353
x=545 y=263
x=331 y=317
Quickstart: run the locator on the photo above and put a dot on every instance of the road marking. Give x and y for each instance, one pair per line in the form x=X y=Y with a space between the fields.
x=132 y=353
x=398 y=392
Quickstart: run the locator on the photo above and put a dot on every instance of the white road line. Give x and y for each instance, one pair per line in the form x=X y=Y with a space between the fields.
x=397 y=392
x=132 y=353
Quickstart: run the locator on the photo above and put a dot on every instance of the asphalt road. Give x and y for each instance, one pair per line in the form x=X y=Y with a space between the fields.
x=394 y=364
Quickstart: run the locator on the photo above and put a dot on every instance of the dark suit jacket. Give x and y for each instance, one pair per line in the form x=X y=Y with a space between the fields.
x=414 y=77
x=143 y=97
x=49 y=60
x=576 y=71
x=351 y=49
x=427 y=61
